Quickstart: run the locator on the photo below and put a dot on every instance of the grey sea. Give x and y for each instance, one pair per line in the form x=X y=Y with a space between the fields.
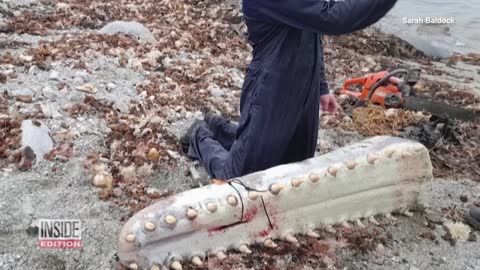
x=437 y=27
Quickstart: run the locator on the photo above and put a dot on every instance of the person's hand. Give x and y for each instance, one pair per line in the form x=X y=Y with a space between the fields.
x=328 y=103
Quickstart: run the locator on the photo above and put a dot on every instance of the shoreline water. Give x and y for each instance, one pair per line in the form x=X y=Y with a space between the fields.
x=452 y=27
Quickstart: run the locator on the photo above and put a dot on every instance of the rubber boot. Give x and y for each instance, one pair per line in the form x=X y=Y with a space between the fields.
x=473 y=217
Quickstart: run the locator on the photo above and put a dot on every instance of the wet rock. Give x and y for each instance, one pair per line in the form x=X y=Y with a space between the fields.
x=37 y=137
x=133 y=28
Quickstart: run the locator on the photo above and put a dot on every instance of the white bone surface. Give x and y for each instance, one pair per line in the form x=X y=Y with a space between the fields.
x=389 y=174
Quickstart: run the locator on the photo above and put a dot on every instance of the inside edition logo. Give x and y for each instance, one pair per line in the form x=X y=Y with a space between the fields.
x=59 y=233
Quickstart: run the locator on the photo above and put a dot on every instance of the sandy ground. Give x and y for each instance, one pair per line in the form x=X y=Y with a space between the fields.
x=63 y=189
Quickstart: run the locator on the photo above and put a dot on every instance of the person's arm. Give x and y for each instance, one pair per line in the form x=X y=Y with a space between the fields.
x=331 y=17
x=328 y=103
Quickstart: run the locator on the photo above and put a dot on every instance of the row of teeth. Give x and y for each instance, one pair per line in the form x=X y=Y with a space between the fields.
x=269 y=243
x=274 y=189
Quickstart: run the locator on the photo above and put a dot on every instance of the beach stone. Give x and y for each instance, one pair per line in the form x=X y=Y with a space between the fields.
x=48 y=92
x=82 y=73
x=37 y=138
x=111 y=86
x=49 y=110
x=54 y=75
x=78 y=80
x=129 y=28
x=33 y=70
x=22 y=92
x=121 y=105
x=217 y=92
x=167 y=62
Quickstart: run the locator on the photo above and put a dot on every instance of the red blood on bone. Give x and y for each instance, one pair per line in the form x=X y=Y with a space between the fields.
x=250 y=214
x=264 y=233
x=247 y=217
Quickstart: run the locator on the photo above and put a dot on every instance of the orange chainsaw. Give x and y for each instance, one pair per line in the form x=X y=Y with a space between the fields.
x=395 y=90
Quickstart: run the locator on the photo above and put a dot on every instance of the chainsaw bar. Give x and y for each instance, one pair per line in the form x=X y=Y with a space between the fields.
x=439 y=109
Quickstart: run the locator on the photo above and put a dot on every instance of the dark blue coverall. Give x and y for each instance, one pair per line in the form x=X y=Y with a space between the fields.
x=279 y=105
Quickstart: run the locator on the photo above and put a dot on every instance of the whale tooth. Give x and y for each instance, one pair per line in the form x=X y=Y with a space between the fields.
x=269 y=243
x=330 y=229
x=197 y=261
x=360 y=224
x=191 y=213
x=170 y=220
x=232 y=200
x=346 y=225
x=314 y=177
x=176 y=265
x=389 y=216
x=351 y=164
x=333 y=171
x=253 y=195
x=149 y=226
x=372 y=220
x=290 y=238
x=130 y=238
x=297 y=182
x=133 y=266
x=155 y=267
x=276 y=188
x=313 y=234
x=212 y=207
x=244 y=249
x=221 y=255
x=371 y=158
x=407 y=213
